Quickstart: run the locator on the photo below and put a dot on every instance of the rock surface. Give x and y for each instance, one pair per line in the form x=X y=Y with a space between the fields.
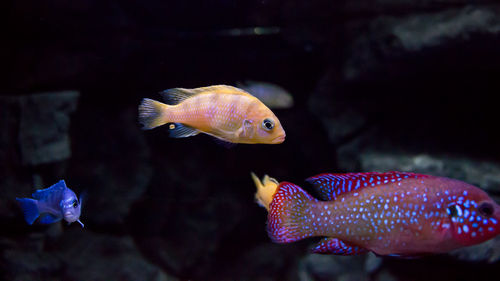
x=391 y=38
x=44 y=126
x=77 y=255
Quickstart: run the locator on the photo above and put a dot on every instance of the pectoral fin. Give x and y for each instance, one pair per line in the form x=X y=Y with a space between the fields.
x=48 y=219
x=337 y=247
x=246 y=129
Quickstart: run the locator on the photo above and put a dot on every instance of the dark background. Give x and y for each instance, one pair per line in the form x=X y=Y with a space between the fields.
x=378 y=85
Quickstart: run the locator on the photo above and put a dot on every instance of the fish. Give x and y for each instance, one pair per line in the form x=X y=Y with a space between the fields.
x=271 y=95
x=398 y=214
x=52 y=204
x=224 y=112
x=265 y=190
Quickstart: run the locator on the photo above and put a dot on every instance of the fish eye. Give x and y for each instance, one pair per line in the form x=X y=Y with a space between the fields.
x=454 y=211
x=74 y=203
x=486 y=209
x=268 y=124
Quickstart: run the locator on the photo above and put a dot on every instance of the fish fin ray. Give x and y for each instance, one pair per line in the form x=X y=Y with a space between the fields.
x=30 y=209
x=224 y=143
x=405 y=256
x=337 y=247
x=49 y=218
x=178 y=130
x=288 y=212
x=177 y=95
x=151 y=114
x=44 y=193
x=329 y=186
x=265 y=189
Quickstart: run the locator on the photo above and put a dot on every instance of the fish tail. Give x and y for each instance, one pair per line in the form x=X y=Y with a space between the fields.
x=30 y=209
x=289 y=213
x=151 y=114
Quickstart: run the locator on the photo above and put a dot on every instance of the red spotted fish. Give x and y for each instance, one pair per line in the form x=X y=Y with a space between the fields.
x=394 y=213
x=51 y=205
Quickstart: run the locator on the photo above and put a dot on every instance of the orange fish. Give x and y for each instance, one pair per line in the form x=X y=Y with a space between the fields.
x=225 y=112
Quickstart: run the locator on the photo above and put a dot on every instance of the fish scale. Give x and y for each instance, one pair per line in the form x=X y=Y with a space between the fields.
x=391 y=213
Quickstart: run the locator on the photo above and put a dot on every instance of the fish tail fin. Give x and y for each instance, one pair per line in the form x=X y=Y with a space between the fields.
x=30 y=209
x=265 y=190
x=289 y=214
x=151 y=114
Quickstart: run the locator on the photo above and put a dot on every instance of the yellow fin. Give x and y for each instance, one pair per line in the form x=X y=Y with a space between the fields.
x=151 y=113
x=265 y=190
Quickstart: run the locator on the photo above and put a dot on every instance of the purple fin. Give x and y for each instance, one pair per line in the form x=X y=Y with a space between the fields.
x=288 y=218
x=44 y=193
x=48 y=219
x=224 y=143
x=337 y=247
x=30 y=209
x=329 y=186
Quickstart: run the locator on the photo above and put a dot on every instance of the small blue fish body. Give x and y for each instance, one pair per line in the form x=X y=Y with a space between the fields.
x=51 y=205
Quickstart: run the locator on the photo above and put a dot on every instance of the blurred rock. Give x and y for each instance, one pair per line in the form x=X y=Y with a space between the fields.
x=394 y=37
x=334 y=107
x=9 y=125
x=264 y=262
x=372 y=262
x=36 y=127
x=331 y=267
x=78 y=255
x=488 y=251
x=44 y=125
x=386 y=275
x=388 y=6
x=202 y=231
x=29 y=265
x=88 y=256
x=484 y=174
x=111 y=163
x=349 y=153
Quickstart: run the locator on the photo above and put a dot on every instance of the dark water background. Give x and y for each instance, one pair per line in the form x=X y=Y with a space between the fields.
x=378 y=85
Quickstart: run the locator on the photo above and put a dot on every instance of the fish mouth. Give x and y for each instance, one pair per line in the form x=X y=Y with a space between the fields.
x=68 y=217
x=278 y=139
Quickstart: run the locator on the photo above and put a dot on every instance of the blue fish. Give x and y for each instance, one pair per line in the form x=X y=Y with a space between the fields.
x=51 y=205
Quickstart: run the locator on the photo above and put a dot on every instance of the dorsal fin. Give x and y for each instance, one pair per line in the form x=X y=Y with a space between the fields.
x=43 y=193
x=329 y=186
x=177 y=95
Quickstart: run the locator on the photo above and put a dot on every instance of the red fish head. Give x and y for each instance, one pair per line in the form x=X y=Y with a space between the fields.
x=474 y=217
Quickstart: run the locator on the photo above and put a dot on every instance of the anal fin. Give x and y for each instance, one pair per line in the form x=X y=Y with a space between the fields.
x=178 y=130
x=335 y=246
